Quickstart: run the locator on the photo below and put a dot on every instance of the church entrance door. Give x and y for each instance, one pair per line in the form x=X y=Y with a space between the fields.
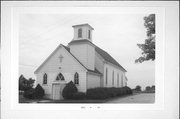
x=57 y=89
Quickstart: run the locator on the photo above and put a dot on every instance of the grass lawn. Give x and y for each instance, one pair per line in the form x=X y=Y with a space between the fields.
x=22 y=99
x=26 y=100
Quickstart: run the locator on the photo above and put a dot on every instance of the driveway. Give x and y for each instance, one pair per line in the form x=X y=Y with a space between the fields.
x=136 y=98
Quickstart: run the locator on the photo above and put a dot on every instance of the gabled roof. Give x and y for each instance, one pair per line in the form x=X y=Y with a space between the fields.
x=107 y=57
x=94 y=71
x=101 y=52
x=52 y=55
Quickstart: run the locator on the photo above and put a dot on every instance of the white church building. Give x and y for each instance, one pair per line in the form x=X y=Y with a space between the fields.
x=82 y=62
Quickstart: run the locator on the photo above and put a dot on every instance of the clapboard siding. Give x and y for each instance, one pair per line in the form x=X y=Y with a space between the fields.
x=69 y=66
x=100 y=67
x=84 y=33
x=93 y=81
x=85 y=53
x=117 y=71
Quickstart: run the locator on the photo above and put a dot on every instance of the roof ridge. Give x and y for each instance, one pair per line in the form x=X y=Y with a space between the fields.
x=101 y=52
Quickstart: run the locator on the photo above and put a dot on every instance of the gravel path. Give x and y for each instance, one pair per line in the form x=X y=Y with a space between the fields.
x=136 y=98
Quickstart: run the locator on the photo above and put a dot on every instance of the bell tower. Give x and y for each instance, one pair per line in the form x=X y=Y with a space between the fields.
x=82 y=47
x=83 y=31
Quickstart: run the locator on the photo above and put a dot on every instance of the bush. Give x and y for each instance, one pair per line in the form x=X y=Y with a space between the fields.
x=39 y=92
x=79 y=95
x=97 y=93
x=36 y=93
x=103 y=93
x=25 y=84
x=69 y=90
x=138 y=88
x=29 y=93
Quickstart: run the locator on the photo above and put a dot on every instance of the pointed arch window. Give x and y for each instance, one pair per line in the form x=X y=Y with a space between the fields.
x=76 y=78
x=45 y=78
x=60 y=77
x=113 y=78
x=89 y=34
x=122 y=81
x=79 y=32
x=106 y=76
x=118 y=80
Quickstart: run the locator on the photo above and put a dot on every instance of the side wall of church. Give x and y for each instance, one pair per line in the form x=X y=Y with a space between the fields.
x=116 y=79
x=93 y=80
x=100 y=67
x=68 y=67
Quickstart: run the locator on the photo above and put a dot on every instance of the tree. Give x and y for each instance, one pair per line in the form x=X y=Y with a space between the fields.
x=25 y=84
x=138 y=88
x=153 y=87
x=148 y=48
x=148 y=88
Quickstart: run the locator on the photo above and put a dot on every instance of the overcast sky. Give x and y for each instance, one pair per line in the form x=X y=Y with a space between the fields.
x=118 y=34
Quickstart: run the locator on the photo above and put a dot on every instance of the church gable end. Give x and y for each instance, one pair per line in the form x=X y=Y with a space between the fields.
x=60 y=59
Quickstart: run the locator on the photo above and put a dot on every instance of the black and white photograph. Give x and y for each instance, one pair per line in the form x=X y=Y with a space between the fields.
x=87 y=58
x=79 y=56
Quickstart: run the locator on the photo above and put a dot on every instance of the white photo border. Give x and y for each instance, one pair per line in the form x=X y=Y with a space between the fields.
x=86 y=8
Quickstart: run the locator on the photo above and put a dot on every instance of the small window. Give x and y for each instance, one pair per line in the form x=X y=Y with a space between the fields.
x=106 y=76
x=60 y=77
x=89 y=34
x=80 y=33
x=45 y=78
x=76 y=78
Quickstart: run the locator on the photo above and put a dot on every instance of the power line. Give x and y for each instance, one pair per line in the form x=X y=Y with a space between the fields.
x=28 y=65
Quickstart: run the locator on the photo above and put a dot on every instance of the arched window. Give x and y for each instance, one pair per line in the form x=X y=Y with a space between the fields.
x=45 y=78
x=122 y=81
x=76 y=78
x=80 y=33
x=60 y=77
x=113 y=78
x=106 y=76
x=89 y=34
x=118 y=80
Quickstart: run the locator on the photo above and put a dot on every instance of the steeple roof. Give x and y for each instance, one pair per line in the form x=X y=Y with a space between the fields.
x=79 y=25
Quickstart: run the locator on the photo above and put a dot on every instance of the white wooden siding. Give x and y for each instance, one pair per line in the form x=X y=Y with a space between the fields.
x=117 y=71
x=84 y=33
x=99 y=65
x=68 y=68
x=93 y=81
x=85 y=53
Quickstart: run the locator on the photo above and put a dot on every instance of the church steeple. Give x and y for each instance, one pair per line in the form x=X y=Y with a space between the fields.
x=83 y=31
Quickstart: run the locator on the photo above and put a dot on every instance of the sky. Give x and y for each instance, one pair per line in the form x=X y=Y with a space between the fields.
x=118 y=34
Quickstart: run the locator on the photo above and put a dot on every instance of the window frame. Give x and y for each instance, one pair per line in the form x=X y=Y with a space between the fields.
x=122 y=81
x=89 y=34
x=113 y=78
x=118 y=79
x=106 y=76
x=76 y=78
x=44 y=79
x=58 y=78
x=80 y=33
